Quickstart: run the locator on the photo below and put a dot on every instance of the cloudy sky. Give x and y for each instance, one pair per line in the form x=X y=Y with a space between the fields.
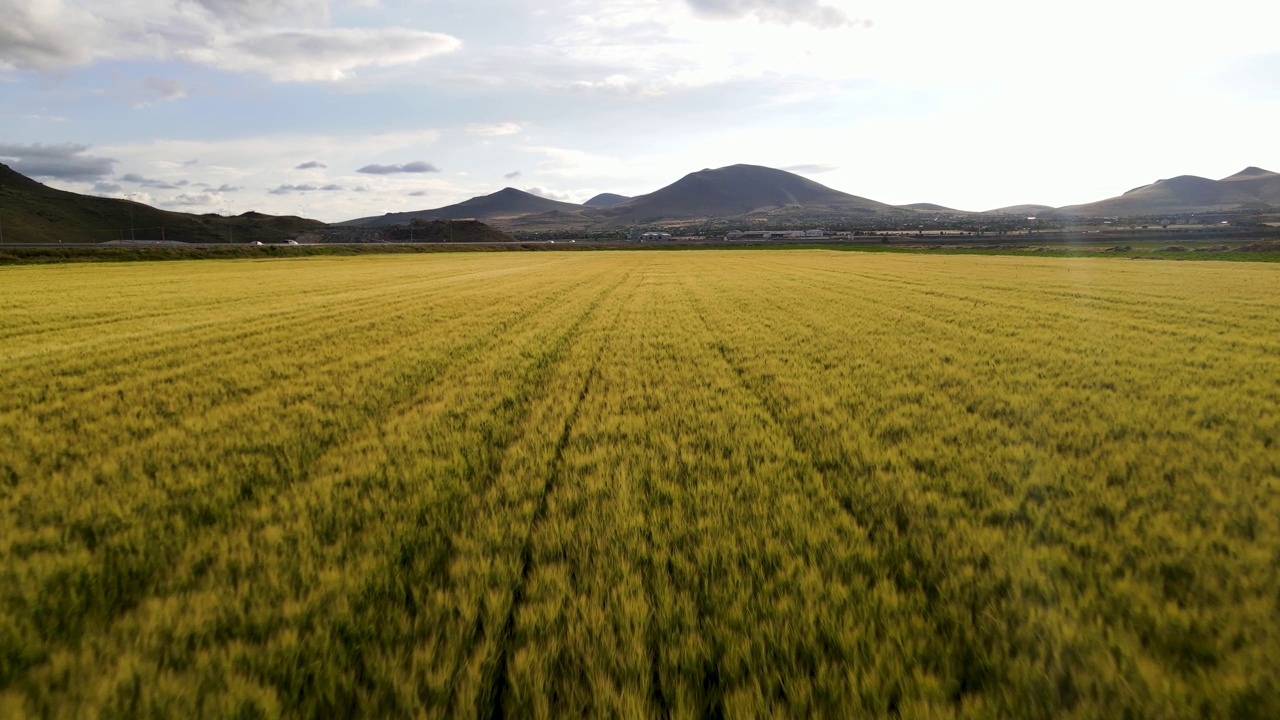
x=342 y=108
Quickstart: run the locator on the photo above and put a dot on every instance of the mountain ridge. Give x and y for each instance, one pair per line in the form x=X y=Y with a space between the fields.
x=1250 y=189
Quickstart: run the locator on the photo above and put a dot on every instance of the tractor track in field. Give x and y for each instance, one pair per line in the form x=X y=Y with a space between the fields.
x=499 y=689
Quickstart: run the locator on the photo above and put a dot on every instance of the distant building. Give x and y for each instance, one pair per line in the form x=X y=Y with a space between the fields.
x=655 y=236
x=774 y=234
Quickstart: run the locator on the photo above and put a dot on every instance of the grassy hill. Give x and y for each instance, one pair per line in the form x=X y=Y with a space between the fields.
x=34 y=213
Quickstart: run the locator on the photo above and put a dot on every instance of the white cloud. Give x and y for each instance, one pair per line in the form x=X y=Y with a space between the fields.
x=194 y=200
x=285 y=40
x=813 y=169
x=494 y=129
x=550 y=194
x=570 y=163
x=785 y=11
x=321 y=55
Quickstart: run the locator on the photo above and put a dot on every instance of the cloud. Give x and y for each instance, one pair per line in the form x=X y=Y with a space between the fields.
x=810 y=12
x=512 y=175
x=571 y=163
x=286 y=189
x=418 y=193
x=321 y=55
x=107 y=188
x=44 y=36
x=153 y=182
x=256 y=164
x=194 y=200
x=414 y=167
x=166 y=88
x=66 y=161
x=311 y=165
x=621 y=84
x=45 y=118
x=549 y=194
x=817 y=169
x=285 y=40
x=253 y=13
x=494 y=129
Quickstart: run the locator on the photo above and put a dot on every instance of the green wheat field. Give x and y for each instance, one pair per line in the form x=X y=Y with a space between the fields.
x=641 y=484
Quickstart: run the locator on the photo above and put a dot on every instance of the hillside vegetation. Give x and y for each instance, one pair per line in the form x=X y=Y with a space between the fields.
x=687 y=484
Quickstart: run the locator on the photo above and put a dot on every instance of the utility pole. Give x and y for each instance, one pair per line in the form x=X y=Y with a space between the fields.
x=1 y=224
x=229 y=225
x=131 y=236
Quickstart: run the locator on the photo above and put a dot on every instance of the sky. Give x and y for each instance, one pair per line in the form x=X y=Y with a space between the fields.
x=336 y=109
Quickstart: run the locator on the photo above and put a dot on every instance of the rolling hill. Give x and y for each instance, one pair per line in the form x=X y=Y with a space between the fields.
x=34 y=213
x=505 y=204
x=1258 y=183
x=1029 y=209
x=931 y=207
x=1250 y=189
x=606 y=200
x=734 y=191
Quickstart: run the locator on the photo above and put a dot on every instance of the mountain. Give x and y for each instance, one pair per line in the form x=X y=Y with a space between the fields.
x=606 y=200
x=31 y=212
x=505 y=204
x=930 y=207
x=1250 y=189
x=1020 y=210
x=733 y=191
x=1261 y=184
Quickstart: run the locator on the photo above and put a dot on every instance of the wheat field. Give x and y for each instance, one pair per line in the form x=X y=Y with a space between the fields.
x=640 y=484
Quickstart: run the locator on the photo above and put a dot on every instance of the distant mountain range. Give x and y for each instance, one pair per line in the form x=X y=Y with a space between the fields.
x=728 y=192
x=34 y=213
x=751 y=191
